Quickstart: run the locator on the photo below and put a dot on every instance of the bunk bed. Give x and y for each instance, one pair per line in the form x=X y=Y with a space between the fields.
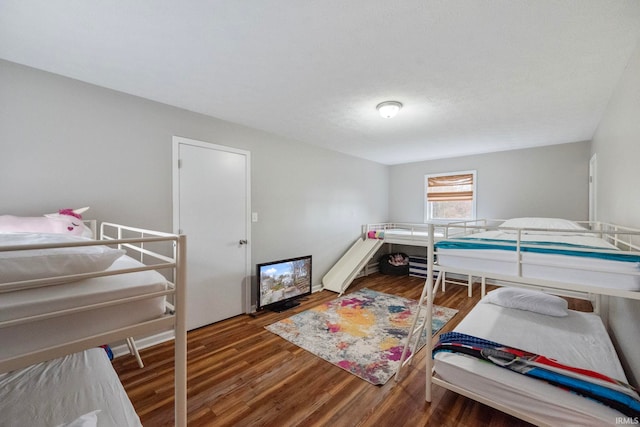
x=402 y=233
x=602 y=256
x=414 y=234
x=62 y=298
x=535 y=262
x=355 y=260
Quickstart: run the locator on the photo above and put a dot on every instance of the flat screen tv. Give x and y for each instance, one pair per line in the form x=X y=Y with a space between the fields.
x=281 y=283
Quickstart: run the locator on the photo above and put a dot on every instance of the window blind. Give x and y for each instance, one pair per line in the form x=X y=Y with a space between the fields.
x=450 y=188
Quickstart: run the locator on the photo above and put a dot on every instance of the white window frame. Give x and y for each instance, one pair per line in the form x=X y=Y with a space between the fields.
x=427 y=204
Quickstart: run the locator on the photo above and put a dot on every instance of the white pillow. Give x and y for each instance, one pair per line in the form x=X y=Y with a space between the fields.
x=39 y=263
x=87 y=420
x=529 y=300
x=552 y=223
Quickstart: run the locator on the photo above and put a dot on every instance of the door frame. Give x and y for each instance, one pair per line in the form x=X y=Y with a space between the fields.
x=175 y=166
x=593 y=188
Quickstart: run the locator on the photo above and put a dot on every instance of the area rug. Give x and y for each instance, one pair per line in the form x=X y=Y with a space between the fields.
x=363 y=332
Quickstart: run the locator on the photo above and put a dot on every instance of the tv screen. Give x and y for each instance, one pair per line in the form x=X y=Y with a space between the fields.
x=281 y=282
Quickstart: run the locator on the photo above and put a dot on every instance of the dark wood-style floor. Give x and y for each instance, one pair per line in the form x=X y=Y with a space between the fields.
x=240 y=374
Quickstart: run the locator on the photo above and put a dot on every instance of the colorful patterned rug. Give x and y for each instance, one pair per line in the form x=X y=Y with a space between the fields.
x=363 y=332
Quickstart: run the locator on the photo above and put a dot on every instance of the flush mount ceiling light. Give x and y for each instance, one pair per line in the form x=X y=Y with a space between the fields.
x=388 y=109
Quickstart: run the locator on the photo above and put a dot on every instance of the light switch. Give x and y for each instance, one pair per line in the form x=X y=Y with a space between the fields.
x=254 y=216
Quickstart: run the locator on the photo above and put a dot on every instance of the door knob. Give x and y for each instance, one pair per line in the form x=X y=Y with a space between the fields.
x=243 y=242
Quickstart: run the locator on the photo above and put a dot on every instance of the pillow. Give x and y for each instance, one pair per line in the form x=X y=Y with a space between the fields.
x=529 y=300
x=65 y=221
x=87 y=420
x=39 y=263
x=552 y=223
x=375 y=234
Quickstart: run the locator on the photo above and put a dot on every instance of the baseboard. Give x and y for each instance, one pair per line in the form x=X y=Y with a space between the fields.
x=121 y=349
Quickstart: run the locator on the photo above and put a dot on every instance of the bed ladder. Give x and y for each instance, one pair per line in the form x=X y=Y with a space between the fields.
x=423 y=317
x=425 y=304
x=133 y=349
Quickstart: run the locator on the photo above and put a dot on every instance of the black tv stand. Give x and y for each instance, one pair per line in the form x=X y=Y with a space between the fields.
x=286 y=305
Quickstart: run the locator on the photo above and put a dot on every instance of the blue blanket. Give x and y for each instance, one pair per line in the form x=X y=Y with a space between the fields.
x=590 y=384
x=536 y=247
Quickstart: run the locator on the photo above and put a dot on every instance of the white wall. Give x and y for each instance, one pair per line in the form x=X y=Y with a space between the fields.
x=617 y=145
x=64 y=143
x=509 y=183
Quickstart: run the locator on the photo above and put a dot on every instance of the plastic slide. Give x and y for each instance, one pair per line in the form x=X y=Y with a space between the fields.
x=346 y=269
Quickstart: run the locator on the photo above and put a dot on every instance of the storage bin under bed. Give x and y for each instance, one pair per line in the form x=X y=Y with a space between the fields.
x=418 y=266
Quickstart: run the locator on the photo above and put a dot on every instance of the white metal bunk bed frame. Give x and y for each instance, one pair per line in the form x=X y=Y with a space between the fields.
x=625 y=238
x=620 y=236
x=355 y=262
x=174 y=318
x=417 y=235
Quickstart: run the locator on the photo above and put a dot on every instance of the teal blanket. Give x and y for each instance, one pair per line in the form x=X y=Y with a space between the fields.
x=537 y=247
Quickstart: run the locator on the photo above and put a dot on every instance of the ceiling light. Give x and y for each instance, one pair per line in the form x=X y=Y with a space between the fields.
x=388 y=109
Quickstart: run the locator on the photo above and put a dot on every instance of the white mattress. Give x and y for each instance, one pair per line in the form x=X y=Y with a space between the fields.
x=579 y=339
x=408 y=236
x=560 y=268
x=61 y=390
x=32 y=336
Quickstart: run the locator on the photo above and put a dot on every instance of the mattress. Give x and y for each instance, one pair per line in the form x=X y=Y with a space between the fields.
x=59 y=391
x=560 y=267
x=23 y=338
x=579 y=339
x=409 y=236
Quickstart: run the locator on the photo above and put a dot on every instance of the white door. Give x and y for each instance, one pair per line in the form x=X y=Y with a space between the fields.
x=211 y=206
x=593 y=188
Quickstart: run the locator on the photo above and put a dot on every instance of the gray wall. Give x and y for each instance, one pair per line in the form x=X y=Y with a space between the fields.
x=617 y=147
x=509 y=183
x=64 y=143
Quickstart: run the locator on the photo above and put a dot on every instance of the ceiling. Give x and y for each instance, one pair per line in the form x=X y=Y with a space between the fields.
x=474 y=76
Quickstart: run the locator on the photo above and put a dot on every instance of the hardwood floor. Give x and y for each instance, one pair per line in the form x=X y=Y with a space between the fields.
x=240 y=374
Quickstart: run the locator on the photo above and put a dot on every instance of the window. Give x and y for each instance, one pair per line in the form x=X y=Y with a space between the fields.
x=450 y=196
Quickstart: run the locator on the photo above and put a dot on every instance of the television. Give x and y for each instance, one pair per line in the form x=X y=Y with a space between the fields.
x=281 y=283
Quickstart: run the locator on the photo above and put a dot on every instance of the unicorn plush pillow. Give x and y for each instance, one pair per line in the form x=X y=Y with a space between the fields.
x=66 y=221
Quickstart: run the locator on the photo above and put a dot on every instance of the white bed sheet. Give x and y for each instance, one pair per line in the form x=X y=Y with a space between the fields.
x=560 y=268
x=409 y=237
x=579 y=339
x=31 y=336
x=574 y=238
x=61 y=390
